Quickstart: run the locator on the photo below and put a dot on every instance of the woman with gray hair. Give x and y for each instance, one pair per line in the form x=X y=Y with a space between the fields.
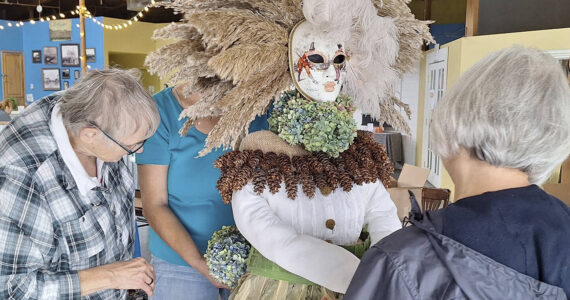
x=67 y=218
x=500 y=130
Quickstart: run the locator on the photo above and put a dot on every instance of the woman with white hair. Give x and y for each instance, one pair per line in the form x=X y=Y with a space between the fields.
x=500 y=130
x=67 y=217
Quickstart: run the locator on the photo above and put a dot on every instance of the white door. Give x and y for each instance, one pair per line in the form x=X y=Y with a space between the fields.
x=436 y=74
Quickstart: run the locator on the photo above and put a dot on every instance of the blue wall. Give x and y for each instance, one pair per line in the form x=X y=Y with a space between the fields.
x=10 y=40
x=445 y=33
x=36 y=37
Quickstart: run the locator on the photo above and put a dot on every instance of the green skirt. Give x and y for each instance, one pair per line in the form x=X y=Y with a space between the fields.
x=266 y=280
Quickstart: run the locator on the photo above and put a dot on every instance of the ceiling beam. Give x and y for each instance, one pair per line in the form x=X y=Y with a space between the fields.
x=471 y=17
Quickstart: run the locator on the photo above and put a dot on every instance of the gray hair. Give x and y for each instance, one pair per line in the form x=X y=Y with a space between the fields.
x=113 y=99
x=511 y=109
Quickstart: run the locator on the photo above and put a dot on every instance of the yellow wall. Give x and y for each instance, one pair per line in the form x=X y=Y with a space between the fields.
x=131 y=60
x=465 y=52
x=127 y=48
x=133 y=39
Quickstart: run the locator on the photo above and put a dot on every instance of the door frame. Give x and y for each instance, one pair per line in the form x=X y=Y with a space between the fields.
x=23 y=73
x=436 y=61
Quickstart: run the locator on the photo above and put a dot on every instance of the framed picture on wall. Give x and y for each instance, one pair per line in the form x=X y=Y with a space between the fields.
x=65 y=73
x=77 y=74
x=90 y=55
x=69 y=55
x=60 y=30
x=50 y=55
x=36 y=56
x=65 y=85
x=50 y=79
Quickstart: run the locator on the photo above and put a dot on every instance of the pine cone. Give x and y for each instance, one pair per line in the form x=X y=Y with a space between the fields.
x=285 y=164
x=255 y=158
x=258 y=180
x=291 y=181
x=239 y=159
x=274 y=180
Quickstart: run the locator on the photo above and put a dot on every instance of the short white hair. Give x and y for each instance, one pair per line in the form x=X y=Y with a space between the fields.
x=113 y=99
x=511 y=109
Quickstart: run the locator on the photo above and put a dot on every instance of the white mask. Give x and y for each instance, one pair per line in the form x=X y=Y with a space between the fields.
x=317 y=64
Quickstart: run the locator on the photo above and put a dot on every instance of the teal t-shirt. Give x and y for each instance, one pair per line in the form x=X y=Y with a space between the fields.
x=192 y=193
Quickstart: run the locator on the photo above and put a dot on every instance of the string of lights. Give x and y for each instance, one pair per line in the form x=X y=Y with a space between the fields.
x=87 y=14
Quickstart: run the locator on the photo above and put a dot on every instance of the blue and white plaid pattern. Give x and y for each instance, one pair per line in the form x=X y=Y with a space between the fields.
x=48 y=231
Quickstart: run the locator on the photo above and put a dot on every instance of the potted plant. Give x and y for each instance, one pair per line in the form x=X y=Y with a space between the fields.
x=13 y=102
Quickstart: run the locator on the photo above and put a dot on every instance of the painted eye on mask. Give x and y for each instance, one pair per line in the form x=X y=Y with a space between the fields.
x=339 y=60
x=316 y=59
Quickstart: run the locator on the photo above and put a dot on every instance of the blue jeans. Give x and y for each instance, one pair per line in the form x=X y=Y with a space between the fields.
x=174 y=282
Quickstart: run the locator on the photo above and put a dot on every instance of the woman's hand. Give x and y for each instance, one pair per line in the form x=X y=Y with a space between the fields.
x=202 y=267
x=133 y=274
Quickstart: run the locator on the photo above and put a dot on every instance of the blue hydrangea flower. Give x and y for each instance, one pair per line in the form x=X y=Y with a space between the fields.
x=226 y=255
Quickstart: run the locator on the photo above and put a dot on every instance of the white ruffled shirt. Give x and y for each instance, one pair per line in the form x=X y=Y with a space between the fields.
x=294 y=235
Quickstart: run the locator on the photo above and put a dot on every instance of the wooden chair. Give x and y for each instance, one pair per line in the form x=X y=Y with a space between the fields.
x=432 y=199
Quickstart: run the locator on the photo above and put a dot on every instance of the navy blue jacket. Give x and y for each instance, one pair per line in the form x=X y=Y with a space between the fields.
x=510 y=244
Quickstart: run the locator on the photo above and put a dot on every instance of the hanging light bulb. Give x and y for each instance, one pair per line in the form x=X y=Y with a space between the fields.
x=53 y=17
x=39 y=8
x=32 y=22
x=1 y=27
x=146 y=8
x=62 y=15
x=9 y=24
x=41 y=19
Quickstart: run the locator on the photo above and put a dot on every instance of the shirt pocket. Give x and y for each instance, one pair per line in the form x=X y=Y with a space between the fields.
x=85 y=240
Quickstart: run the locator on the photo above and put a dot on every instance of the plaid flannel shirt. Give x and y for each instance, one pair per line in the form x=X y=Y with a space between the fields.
x=48 y=231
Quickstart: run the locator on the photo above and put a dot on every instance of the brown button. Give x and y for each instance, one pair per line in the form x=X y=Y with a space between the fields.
x=330 y=224
x=326 y=190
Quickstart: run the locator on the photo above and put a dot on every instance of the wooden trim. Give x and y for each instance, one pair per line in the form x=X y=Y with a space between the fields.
x=472 y=17
x=427 y=16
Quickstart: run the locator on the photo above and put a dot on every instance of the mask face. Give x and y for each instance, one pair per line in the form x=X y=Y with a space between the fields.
x=317 y=64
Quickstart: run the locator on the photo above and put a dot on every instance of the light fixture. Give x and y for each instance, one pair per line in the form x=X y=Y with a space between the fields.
x=39 y=8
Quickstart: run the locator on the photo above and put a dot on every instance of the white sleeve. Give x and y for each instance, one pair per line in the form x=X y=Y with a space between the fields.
x=323 y=263
x=381 y=213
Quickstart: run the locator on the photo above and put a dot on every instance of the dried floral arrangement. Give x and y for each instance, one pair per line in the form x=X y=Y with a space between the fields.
x=235 y=55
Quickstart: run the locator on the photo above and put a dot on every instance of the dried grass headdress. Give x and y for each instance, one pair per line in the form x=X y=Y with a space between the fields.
x=234 y=53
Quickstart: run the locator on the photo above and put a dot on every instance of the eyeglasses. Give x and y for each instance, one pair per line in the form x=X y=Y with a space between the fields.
x=136 y=146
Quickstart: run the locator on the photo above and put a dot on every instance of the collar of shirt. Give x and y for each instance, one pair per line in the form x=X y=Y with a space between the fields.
x=83 y=181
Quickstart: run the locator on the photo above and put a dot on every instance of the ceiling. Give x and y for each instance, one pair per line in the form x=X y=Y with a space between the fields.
x=22 y=10
x=442 y=11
